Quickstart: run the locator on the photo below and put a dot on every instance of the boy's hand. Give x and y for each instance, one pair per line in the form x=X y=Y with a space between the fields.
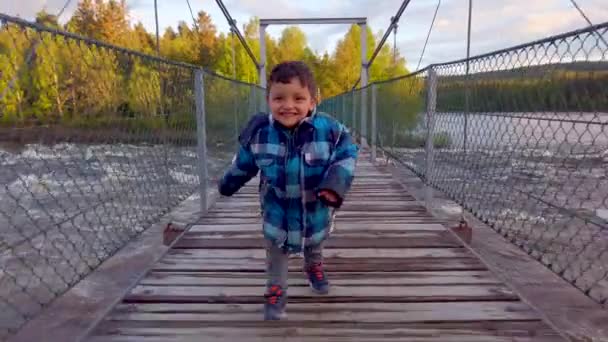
x=329 y=196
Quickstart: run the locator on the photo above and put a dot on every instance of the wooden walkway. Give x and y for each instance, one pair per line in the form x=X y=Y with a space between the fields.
x=396 y=273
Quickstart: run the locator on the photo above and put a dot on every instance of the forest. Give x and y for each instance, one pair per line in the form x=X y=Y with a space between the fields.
x=50 y=79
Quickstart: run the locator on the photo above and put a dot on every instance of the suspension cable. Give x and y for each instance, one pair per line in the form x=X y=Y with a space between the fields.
x=67 y=3
x=232 y=24
x=582 y=13
x=28 y=58
x=391 y=27
x=157 y=28
x=466 y=110
x=192 y=15
x=395 y=44
x=428 y=35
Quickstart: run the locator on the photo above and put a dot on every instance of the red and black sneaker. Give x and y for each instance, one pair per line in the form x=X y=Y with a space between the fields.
x=276 y=300
x=317 y=278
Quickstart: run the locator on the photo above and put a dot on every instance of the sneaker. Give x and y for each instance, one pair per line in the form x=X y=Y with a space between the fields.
x=317 y=278
x=274 y=307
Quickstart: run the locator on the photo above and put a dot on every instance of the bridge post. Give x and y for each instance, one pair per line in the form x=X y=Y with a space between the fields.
x=364 y=76
x=254 y=99
x=373 y=129
x=431 y=103
x=201 y=134
x=262 y=66
x=343 y=112
x=364 y=133
x=354 y=112
x=235 y=88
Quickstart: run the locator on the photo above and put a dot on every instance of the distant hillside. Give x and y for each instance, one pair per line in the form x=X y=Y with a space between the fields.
x=533 y=71
x=558 y=87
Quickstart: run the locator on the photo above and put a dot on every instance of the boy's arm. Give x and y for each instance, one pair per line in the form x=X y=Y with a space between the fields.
x=243 y=166
x=242 y=170
x=341 y=172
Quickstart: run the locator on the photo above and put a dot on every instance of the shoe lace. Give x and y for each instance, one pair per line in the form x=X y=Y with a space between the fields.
x=317 y=271
x=273 y=294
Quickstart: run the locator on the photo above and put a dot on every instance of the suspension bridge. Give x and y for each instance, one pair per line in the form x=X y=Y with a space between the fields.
x=479 y=210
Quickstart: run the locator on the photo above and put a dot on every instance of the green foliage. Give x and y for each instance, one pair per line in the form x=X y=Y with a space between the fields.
x=76 y=84
x=442 y=140
x=143 y=89
x=66 y=82
x=13 y=50
x=418 y=140
x=555 y=88
x=292 y=45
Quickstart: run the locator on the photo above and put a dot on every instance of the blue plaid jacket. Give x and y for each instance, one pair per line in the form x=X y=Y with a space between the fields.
x=294 y=166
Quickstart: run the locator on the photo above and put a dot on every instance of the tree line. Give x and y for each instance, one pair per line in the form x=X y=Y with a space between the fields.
x=48 y=78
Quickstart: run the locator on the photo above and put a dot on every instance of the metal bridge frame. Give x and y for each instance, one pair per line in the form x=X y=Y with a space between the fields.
x=362 y=22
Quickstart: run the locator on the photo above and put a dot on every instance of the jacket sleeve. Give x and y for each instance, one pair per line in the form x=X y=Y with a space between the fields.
x=243 y=167
x=340 y=173
x=242 y=170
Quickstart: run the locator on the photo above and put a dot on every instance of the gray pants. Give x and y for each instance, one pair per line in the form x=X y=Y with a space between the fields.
x=277 y=263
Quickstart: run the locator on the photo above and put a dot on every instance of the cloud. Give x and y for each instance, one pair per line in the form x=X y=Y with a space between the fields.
x=496 y=23
x=268 y=8
x=27 y=9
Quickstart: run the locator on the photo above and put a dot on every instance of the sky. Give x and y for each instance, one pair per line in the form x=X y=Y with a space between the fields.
x=496 y=24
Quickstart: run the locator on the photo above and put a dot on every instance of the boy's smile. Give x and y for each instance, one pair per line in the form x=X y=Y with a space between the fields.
x=290 y=102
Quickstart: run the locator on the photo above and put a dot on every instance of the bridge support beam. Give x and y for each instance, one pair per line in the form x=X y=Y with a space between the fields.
x=201 y=134
x=374 y=114
x=262 y=68
x=430 y=126
x=362 y=22
x=364 y=80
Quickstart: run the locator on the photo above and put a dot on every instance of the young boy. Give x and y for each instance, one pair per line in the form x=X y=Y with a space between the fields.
x=306 y=162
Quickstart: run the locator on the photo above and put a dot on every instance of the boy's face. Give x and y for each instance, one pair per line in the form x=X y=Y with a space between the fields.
x=290 y=102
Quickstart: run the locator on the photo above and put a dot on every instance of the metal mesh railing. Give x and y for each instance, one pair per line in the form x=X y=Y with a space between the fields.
x=228 y=106
x=520 y=141
x=96 y=144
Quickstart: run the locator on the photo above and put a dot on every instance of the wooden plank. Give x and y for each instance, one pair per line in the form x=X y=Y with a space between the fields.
x=396 y=274
x=377 y=210
x=363 y=219
x=379 y=196
x=341 y=231
x=341 y=214
x=337 y=234
x=338 y=294
x=382 y=182
x=170 y=331
x=365 y=199
x=347 y=206
x=352 y=226
x=354 y=193
x=258 y=253
x=378 y=187
x=376 y=242
x=331 y=265
x=343 y=279
x=175 y=336
x=371 y=312
x=361 y=185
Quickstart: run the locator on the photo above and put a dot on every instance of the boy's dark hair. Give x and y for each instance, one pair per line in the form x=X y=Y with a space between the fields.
x=285 y=71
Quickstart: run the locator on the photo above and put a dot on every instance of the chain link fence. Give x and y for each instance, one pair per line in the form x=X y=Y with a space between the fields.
x=96 y=144
x=517 y=137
